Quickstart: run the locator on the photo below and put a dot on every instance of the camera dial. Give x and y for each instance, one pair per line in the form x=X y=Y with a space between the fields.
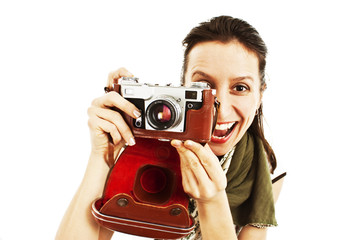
x=130 y=79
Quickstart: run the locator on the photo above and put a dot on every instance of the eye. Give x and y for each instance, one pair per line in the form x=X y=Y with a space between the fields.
x=240 y=88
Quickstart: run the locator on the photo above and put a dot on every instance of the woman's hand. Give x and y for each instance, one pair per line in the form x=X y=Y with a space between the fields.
x=78 y=222
x=205 y=181
x=202 y=176
x=104 y=121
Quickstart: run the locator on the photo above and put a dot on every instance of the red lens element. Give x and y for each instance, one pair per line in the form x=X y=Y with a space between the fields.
x=162 y=113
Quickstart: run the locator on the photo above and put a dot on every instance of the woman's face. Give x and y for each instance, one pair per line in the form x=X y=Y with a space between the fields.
x=234 y=72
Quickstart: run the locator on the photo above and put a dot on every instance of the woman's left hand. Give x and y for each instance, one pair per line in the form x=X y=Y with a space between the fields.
x=202 y=176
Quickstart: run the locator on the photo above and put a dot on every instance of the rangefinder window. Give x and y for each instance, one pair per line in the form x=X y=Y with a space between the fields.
x=190 y=94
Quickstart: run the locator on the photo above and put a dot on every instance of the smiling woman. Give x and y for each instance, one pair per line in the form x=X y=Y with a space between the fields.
x=228 y=179
x=229 y=55
x=230 y=35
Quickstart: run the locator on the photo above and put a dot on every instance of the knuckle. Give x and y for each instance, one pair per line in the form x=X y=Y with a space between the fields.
x=93 y=123
x=185 y=166
x=90 y=123
x=206 y=193
x=112 y=96
x=112 y=75
x=221 y=184
x=182 y=150
x=117 y=100
x=205 y=162
x=186 y=189
x=90 y=111
x=194 y=163
x=194 y=194
x=94 y=102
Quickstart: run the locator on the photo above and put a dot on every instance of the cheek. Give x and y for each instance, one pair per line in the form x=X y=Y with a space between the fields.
x=246 y=107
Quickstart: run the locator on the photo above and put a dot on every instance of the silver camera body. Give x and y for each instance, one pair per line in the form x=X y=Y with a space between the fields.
x=163 y=107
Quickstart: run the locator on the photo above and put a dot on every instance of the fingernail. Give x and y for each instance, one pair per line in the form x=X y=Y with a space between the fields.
x=176 y=143
x=188 y=143
x=136 y=113
x=132 y=142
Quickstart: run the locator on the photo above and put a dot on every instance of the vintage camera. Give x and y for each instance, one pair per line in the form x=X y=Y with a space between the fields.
x=170 y=112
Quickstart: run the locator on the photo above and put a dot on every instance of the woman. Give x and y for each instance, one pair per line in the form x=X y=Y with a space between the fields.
x=229 y=55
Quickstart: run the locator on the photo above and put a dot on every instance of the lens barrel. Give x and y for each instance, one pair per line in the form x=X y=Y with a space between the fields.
x=163 y=114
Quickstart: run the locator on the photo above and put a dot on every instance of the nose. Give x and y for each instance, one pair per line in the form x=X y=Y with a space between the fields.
x=225 y=104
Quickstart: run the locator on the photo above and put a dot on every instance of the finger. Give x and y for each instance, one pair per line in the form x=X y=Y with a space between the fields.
x=106 y=127
x=115 y=75
x=190 y=162
x=116 y=119
x=113 y=99
x=189 y=182
x=209 y=161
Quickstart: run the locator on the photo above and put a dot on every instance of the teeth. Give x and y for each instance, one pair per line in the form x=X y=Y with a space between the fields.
x=216 y=137
x=224 y=126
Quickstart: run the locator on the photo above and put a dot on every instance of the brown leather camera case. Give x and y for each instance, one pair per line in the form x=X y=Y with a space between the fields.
x=138 y=200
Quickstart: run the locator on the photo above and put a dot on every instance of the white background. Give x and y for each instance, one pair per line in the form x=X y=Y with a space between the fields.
x=55 y=57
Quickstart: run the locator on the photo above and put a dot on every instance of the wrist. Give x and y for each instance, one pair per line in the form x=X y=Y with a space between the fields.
x=218 y=199
x=215 y=218
x=96 y=172
x=108 y=154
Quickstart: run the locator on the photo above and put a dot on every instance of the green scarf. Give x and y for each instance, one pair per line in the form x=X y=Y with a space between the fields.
x=249 y=187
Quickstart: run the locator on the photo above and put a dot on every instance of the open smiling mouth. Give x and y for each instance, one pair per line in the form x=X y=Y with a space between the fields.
x=223 y=132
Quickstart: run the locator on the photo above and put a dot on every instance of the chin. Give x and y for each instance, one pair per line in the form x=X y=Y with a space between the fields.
x=218 y=150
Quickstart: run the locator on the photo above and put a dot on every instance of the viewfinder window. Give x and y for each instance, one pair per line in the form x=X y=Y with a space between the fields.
x=190 y=94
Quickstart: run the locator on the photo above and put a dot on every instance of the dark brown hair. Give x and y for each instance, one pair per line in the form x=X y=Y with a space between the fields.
x=226 y=29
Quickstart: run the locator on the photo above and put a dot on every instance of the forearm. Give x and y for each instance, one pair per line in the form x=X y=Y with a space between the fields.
x=252 y=233
x=215 y=219
x=78 y=222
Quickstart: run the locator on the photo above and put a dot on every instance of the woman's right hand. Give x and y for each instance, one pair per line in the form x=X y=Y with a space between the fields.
x=104 y=121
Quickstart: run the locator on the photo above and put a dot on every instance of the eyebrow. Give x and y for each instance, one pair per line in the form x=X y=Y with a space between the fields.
x=243 y=78
x=235 y=79
x=202 y=74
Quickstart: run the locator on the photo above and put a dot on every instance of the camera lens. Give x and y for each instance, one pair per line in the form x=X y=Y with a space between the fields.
x=161 y=114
